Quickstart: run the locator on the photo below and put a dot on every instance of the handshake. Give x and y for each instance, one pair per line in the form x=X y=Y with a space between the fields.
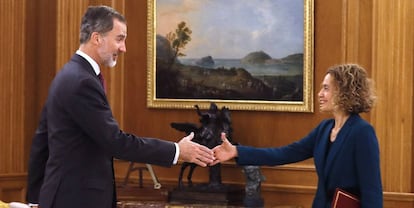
x=203 y=156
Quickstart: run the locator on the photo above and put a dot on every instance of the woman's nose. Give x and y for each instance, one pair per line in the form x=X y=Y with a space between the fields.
x=320 y=93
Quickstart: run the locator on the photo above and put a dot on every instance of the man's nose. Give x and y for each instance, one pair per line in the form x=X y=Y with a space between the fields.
x=123 y=48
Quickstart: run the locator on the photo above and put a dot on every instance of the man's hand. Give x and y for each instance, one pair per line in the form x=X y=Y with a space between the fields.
x=224 y=151
x=195 y=153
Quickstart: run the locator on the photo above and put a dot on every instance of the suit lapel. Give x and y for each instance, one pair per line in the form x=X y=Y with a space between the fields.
x=320 y=154
x=86 y=65
x=339 y=142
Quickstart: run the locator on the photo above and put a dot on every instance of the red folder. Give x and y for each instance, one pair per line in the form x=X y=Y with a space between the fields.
x=343 y=199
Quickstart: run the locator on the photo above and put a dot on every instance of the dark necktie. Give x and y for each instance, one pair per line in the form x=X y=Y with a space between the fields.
x=102 y=80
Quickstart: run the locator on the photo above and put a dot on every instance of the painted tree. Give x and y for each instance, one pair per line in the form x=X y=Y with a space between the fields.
x=178 y=40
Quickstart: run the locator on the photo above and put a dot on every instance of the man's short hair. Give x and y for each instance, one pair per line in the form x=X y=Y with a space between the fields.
x=98 y=19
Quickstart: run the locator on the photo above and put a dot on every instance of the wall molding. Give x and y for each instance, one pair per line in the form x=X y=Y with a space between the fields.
x=13 y=187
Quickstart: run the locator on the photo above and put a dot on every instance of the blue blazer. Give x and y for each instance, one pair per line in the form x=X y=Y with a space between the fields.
x=77 y=137
x=352 y=162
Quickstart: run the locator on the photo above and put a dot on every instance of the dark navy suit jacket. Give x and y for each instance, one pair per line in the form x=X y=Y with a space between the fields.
x=351 y=162
x=78 y=136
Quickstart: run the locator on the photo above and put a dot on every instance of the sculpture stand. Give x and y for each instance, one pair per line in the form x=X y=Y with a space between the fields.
x=131 y=191
x=140 y=169
x=253 y=202
x=254 y=179
x=207 y=194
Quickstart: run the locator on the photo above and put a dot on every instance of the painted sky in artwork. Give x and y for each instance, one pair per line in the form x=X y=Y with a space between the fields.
x=234 y=28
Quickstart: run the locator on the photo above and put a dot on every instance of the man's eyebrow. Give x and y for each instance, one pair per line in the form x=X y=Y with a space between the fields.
x=121 y=36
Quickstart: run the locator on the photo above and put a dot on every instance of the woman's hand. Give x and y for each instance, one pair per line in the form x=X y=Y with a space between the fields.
x=224 y=151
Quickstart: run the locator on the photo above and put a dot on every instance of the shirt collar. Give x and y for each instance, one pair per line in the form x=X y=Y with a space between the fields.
x=92 y=62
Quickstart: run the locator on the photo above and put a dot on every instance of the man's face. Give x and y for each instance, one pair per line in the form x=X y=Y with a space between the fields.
x=112 y=43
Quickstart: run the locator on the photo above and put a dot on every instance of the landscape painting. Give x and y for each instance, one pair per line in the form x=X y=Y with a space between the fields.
x=242 y=54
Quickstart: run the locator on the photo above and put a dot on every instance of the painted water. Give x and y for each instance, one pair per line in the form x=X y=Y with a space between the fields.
x=274 y=69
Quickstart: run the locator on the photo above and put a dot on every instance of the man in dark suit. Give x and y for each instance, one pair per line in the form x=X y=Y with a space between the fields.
x=70 y=162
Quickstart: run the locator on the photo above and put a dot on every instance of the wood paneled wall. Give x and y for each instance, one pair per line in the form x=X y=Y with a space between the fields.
x=393 y=61
x=38 y=37
x=12 y=85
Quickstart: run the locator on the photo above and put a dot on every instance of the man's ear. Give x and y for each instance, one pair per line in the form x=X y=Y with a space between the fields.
x=96 y=38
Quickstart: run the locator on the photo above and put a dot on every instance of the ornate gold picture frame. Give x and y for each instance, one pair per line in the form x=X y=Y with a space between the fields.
x=243 y=54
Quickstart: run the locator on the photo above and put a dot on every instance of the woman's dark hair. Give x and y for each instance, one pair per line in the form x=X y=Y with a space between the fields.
x=98 y=19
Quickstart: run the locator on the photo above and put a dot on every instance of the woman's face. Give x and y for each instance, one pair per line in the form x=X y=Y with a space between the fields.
x=326 y=94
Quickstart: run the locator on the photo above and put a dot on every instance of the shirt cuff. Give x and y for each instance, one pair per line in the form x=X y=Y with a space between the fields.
x=177 y=154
